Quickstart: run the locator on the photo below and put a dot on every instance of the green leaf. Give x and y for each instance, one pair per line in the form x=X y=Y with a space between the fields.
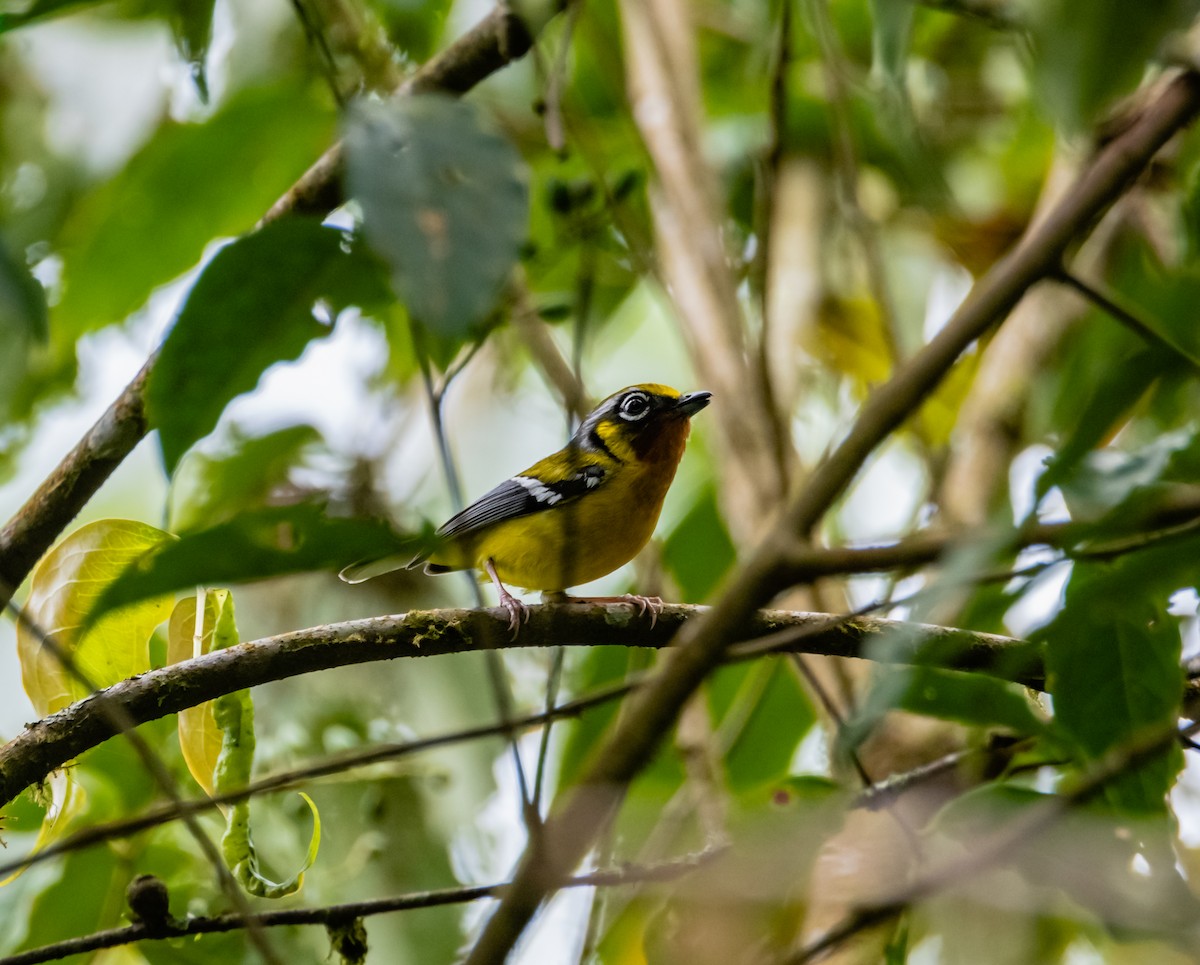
x=970 y=699
x=1113 y=669
x=1089 y=54
x=253 y=546
x=65 y=587
x=444 y=202
x=22 y=322
x=255 y=304
x=1109 y=484
x=190 y=184
x=211 y=489
x=699 y=552
x=764 y=714
x=192 y=24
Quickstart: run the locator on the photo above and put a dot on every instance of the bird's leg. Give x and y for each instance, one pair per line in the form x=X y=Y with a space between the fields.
x=645 y=604
x=518 y=613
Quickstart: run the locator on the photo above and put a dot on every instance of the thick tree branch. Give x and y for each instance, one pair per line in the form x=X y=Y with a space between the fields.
x=496 y=41
x=50 y=743
x=631 y=743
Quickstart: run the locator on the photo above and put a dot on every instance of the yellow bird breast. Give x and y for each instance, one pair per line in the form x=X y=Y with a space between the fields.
x=576 y=543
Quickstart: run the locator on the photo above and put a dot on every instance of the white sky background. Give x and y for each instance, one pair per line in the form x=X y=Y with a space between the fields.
x=96 y=73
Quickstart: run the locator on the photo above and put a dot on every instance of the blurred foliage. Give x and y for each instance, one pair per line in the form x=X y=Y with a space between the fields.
x=868 y=158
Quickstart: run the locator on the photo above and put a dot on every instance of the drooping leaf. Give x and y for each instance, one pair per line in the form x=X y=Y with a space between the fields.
x=199 y=736
x=256 y=303
x=212 y=489
x=65 y=587
x=970 y=699
x=444 y=203
x=253 y=546
x=190 y=184
x=234 y=716
x=192 y=25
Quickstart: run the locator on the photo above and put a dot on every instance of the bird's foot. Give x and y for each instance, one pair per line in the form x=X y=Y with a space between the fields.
x=645 y=604
x=518 y=612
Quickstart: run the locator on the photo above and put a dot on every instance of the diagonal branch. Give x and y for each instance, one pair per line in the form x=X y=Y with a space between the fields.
x=630 y=745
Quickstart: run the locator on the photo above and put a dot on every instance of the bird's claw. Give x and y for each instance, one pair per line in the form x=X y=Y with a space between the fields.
x=518 y=613
x=646 y=604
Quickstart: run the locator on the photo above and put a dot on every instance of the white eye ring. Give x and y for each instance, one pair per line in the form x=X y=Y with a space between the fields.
x=627 y=409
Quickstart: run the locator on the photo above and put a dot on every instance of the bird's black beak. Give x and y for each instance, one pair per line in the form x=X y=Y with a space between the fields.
x=692 y=403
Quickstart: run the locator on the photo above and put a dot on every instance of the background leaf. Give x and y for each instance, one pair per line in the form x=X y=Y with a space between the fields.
x=211 y=489
x=191 y=183
x=444 y=202
x=255 y=304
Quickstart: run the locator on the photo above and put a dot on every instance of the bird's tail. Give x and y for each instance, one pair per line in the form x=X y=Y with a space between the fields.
x=362 y=570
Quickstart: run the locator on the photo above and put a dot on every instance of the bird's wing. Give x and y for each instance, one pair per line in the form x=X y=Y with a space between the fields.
x=538 y=489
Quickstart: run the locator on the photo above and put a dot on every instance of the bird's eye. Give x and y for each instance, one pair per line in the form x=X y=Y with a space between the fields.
x=634 y=407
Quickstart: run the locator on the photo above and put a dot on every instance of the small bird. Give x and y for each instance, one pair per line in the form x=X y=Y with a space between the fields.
x=576 y=515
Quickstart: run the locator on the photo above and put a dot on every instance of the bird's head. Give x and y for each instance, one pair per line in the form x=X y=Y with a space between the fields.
x=644 y=422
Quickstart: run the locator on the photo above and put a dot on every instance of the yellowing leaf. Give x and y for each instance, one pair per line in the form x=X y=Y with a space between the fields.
x=199 y=735
x=65 y=585
x=849 y=337
x=939 y=415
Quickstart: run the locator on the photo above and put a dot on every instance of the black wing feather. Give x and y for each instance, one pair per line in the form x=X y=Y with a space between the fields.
x=507 y=501
x=520 y=496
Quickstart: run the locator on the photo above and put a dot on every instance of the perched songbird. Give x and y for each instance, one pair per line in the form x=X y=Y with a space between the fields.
x=576 y=515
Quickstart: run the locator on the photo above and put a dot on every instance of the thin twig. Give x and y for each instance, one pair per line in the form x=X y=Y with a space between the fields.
x=497 y=674
x=662 y=873
x=335 y=764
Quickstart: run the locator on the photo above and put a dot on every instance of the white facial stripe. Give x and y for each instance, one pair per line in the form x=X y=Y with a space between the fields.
x=539 y=491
